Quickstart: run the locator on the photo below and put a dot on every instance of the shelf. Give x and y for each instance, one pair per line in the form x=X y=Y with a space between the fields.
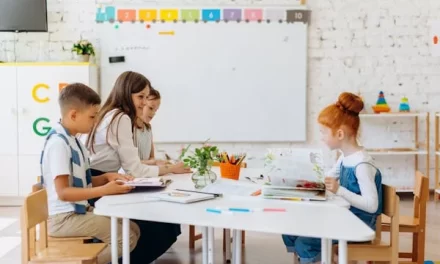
x=410 y=114
x=378 y=152
x=404 y=190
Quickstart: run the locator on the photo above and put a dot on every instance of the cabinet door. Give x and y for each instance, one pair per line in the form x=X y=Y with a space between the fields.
x=9 y=175
x=38 y=90
x=8 y=111
x=29 y=170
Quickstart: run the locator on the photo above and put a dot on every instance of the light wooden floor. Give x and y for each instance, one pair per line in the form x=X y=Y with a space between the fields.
x=260 y=248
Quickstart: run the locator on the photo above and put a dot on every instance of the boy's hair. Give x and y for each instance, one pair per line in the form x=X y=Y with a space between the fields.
x=79 y=96
x=154 y=94
x=343 y=113
x=128 y=83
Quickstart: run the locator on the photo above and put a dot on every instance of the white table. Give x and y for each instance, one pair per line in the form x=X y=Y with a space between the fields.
x=312 y=219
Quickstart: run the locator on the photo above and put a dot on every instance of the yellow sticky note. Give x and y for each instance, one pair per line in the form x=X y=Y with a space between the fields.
x=147 y=14
x=169 y=14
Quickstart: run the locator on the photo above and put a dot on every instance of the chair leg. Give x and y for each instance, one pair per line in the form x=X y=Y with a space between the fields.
x=243 y=240
x=421 y=247
x=415 y=243
x=192 y=237
x=224 y=240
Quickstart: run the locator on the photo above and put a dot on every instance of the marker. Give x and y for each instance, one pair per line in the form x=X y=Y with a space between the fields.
x=216 y=211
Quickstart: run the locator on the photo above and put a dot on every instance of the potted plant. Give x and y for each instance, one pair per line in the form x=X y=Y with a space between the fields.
x=83 y=49
x=201 y=161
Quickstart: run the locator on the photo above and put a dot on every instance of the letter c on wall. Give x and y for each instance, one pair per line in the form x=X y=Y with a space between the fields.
x=35 y=90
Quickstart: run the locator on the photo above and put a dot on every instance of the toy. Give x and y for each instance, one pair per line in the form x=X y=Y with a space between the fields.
x=404 y=106
x=381 y=105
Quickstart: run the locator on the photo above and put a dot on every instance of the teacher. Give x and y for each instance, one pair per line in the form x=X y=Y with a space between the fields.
x=112 y=147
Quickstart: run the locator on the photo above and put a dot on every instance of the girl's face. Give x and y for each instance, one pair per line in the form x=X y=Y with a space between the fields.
x=332 y=140
x=140 y=101
x=150 y=110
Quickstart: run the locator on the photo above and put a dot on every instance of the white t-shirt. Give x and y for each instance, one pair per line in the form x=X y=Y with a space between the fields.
x=56 y=161
x=114 y=148
x=368 y=200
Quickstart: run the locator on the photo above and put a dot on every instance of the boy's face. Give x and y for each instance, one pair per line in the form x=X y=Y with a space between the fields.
x=84 y=119
x=150 y=110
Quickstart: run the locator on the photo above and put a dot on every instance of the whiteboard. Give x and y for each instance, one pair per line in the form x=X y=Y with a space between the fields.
x=223 y=81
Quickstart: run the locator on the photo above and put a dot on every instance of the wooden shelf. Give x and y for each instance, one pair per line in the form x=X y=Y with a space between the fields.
x=404 y=190
x=395 y=114
x=402 y=152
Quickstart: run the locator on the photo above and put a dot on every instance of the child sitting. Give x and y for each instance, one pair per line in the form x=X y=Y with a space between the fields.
x=354 y=176
x=66 y=175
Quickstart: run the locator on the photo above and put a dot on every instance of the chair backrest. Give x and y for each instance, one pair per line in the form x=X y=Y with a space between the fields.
x=391 y=209
x=421 y=196
x=34 y=212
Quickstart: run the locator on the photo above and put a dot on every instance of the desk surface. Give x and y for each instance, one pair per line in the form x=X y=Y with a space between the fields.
x=312 y=219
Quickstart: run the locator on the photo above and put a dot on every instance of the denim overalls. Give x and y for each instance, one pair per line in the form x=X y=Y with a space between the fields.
x=309 y=249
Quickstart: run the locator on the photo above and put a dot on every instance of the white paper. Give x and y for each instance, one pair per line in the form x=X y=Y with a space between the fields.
x=231 y=187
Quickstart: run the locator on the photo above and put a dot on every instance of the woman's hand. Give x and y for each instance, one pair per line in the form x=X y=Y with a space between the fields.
x=180 y=168
x=331 y=184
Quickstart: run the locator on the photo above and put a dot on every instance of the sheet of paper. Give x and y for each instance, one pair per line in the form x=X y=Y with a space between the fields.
x=231 y=187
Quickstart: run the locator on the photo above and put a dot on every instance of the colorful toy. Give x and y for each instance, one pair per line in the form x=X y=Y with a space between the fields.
x=404 y=106
x=381 y=105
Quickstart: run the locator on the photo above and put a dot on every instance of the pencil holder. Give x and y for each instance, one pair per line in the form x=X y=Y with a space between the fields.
x=230 y=171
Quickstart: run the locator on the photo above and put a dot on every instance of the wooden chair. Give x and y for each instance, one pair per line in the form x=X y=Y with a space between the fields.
x=378 y=250
x=415 y=224
x=35 y=212
x=193 y=237
x=73 y=240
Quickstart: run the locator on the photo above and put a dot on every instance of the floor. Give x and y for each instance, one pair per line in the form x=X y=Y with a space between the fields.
x=260 y=248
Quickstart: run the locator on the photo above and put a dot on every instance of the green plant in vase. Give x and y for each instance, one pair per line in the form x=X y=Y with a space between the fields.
x=201 y=161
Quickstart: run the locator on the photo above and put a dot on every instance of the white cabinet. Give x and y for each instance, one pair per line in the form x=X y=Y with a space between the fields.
x=29 y=112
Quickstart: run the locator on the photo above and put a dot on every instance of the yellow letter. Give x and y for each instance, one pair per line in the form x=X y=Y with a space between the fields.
x=34 y=93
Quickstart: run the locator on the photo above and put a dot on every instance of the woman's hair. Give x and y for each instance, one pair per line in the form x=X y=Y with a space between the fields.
x=154 y=94
x=128 y=83
x=343 y=113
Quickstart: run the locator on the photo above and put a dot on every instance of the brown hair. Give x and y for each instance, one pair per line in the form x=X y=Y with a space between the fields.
x=343 y=113
x=77 y=95
x=154 y=94
x=127 y=84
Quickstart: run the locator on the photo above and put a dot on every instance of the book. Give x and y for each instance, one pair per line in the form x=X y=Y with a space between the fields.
x=296 y=190
x=183 y=196
x=147 y=182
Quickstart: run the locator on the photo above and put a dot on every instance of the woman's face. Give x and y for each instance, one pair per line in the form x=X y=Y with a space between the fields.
x=140 y=101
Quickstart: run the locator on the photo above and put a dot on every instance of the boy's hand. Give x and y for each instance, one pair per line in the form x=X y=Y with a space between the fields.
x=116 y=176
x=179 y=168
x=331 y=184
x=114 y=187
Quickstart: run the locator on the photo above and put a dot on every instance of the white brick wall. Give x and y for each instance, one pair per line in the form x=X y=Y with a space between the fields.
x=354 y=45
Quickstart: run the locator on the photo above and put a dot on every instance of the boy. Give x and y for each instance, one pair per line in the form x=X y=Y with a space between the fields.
x=67 y=178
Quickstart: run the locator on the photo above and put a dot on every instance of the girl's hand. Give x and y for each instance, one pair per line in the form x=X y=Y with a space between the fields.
x=331 y=184
x=161 y=162
x=116 y=176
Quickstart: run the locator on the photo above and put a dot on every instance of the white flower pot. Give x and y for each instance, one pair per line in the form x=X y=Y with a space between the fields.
x=83 y=58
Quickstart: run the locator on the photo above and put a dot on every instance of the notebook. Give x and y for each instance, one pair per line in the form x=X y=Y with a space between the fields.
x=183 y=197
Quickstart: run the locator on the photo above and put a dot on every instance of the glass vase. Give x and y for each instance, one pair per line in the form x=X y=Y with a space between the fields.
x=200 y=180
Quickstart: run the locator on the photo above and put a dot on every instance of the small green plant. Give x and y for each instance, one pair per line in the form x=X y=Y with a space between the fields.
x=83 y=47
x=202 y=158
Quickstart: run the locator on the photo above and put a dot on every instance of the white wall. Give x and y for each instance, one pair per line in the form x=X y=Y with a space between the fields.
x=355 y=45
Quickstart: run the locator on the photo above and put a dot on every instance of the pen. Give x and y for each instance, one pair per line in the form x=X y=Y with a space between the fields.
x=216 y=211
x=215 y=194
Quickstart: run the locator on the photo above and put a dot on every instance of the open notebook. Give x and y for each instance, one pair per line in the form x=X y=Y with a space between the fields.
x=148 y=182
x=183 y=196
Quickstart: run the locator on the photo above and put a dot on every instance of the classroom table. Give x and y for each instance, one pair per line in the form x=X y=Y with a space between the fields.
x=327 y=220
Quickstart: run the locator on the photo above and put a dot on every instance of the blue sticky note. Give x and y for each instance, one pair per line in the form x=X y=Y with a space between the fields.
x=211 y=14
x=100 y=16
